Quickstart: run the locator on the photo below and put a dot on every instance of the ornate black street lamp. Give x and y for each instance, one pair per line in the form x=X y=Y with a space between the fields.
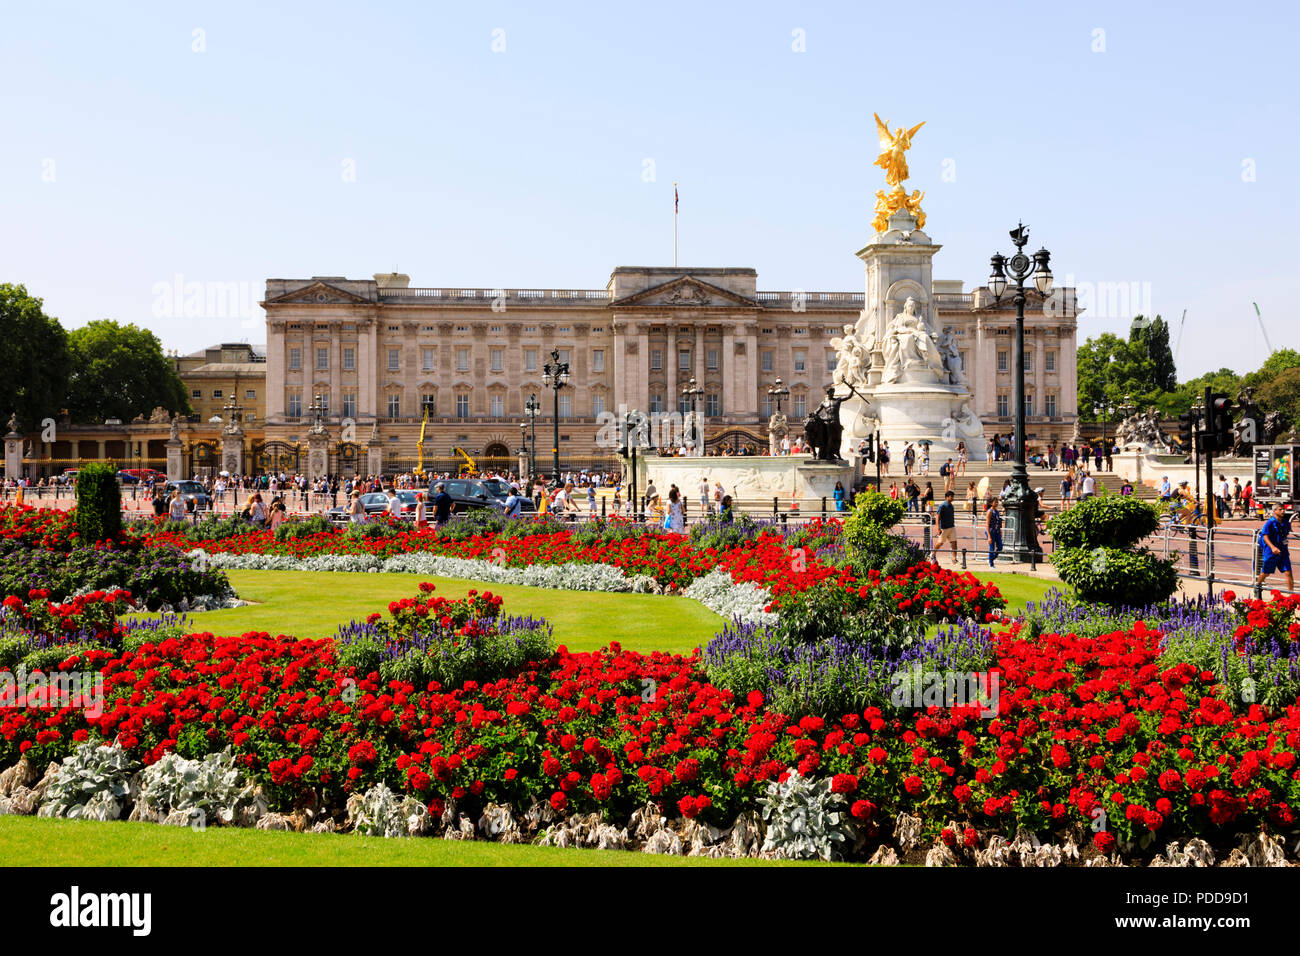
x=1104 y=409
x=1020 y=500
x=555 y=375
x=778 y=391
x=632 y=440
x=532 y=408
x=692 y=392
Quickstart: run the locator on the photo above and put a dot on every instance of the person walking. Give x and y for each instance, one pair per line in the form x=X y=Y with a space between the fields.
x=1274 y=554
x=441 y=505
x=421 y=511
x=993 y=527
x=176 y=507
x=883 y=456
x=1067 y=487
x=947 y=528
x=972 y=497
x=676 y=517
x=839 y=496
x=946 y=473
x=927 y=499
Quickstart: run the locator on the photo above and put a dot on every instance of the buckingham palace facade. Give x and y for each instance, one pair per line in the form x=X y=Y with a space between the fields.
x=381 y=353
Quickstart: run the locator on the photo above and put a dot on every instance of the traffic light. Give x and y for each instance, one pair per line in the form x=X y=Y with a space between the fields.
x=1187 y=429
x=870 y=453
x=1219 y=415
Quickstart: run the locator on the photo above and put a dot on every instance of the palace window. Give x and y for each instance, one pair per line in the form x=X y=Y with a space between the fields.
x=498 y=357
x=597 y=406
x=1049 y=406
x=1029 y=404
x=394 y=406
x=349 y=405
x=831 y=360
x=800 y=360
x=766 y=360
x=799 y=406
x=1003 y=361
x=294 y=409
x=498 y=406
x=250 y=395
x=598 y=360
x=657 y=402
x=713 y=404
x=323 y=358
x=295 y=360
x=428 y=405
x=462 y=406
x=566 y=406
x=216 y=393
x=768 y=406
x=462 y=359
x=1049 y=360
x=196 y=393
x=684 y=360
x=1004 y=405
x=394 y=359
x=426 y=359
x=530 y=360
x=711 y=359
x=656 y=360
x=349 y=360
x=1028 y=360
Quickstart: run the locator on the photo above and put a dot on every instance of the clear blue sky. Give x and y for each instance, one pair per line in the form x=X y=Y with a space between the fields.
x=526 y=167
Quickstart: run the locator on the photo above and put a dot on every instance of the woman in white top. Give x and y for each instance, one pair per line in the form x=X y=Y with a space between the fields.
x=357 y=512
x=176 y=508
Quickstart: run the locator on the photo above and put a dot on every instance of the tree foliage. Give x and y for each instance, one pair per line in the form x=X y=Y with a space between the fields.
x=120 y=371
x=34 y=357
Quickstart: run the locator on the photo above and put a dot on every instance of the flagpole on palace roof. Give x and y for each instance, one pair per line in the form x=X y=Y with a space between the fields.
x=674 y=224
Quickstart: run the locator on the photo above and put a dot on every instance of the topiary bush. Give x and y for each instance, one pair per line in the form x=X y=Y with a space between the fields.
x=99 y=503
x=304 y=528
x=1097 y=554
x=1114 y=521
x=868 y=542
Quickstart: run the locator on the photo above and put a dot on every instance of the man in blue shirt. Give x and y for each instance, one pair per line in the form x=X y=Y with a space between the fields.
x=947 y=528
x=1274 y=555
x=441 y=505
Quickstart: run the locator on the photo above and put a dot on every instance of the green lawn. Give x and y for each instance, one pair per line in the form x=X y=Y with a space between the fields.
x=315 y=603
x=32 y=841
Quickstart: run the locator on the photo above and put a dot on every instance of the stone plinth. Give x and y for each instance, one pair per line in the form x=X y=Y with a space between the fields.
x=232 y=452
x=318 y=455
x=175 y=463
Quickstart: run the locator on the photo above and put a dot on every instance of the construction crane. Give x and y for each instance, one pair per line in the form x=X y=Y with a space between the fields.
x=470 y=467
x=1179 y=344
x=1267 y=344
x=419 y=467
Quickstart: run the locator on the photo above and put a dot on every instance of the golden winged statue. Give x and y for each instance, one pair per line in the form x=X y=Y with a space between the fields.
x=893 y=150
x=888 y=204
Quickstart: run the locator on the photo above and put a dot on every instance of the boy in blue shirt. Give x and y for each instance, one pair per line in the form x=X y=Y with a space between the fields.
x=1274 y=555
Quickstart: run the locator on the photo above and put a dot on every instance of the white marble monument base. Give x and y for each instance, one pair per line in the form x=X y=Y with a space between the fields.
x=788 y=477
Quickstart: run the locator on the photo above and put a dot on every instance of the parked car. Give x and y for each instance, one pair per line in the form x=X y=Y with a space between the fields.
x=190 y=491
x=131 y=476
x=476 y=494
x=375 y=503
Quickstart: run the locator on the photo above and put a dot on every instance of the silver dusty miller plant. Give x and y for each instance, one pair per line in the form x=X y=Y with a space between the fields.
x=198 y=792
x=95 y=783
x=381 y=812
x=804 y=819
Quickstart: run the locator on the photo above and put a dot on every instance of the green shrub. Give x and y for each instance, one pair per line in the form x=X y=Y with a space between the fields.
x=304 y=528
x=1116 y=576
x=372 y=530
x=99 y=503
x=11 y=652
x=46 y=659
x=1114 y=521
x=866 y=531
x=212 y=528
x=364 y=654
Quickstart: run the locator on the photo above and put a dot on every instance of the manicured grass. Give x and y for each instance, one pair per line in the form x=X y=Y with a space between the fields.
x=315 y=603
x=1019 y=588
x=30 y=841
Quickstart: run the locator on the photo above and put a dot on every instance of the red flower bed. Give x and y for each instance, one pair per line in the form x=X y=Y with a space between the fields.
x=1091 y=734
x=1266 y=622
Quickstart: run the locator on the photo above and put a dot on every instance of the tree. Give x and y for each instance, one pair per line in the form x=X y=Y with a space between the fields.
x=34 y=356
x=1282 y=394
x=1113 y=371
x=1182 y=398
x=1274 y=365
x=1153 y=337
x=120 y=371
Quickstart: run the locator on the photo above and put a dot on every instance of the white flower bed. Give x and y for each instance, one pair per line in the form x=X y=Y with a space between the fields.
x=567 y=577
x=723 y=596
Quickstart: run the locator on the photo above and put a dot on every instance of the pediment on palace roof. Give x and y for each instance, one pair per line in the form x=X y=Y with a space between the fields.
x=685 y=292
x=318 y=293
